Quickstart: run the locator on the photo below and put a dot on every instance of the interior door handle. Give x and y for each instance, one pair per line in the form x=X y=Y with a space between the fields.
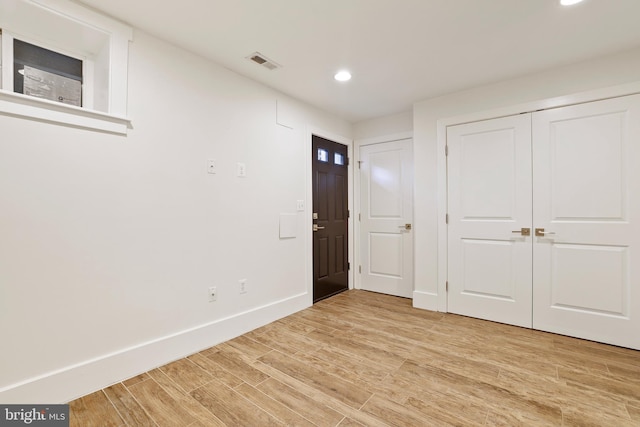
x=316 y=227
x=406 y=226
x=523 y=231
x=541 y=233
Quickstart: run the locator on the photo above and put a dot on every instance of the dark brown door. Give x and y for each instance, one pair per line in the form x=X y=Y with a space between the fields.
x=331 y=217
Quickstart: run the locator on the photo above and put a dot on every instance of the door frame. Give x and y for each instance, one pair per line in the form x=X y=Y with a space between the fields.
x=308 y=211
x=358 y=143
x=439 y=301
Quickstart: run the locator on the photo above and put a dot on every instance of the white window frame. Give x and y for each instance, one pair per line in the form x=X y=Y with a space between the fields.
x=73 y=30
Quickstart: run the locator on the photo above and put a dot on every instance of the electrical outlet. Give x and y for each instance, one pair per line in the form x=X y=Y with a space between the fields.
x=213 y=293
x=243 y=286
x=211 y=166
x=241 y=170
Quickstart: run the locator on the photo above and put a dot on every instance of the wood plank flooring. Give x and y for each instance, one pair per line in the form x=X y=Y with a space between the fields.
x=366 y=359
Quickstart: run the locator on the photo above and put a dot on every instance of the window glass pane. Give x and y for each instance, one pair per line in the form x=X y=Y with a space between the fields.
x=323 y=155
x=46 y=74
x=338 y=159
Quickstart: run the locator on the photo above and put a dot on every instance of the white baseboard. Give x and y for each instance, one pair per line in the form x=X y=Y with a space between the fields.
x=71 y=382
x=425 y=300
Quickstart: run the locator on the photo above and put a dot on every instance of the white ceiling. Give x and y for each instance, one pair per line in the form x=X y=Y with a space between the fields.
x=399 y=51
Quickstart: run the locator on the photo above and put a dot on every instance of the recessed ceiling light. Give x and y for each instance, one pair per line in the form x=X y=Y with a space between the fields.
x=569 y=2
x=342 y=76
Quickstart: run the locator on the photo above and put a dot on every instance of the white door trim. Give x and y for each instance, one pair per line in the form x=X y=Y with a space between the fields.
x=308 y=218
x=439 y=301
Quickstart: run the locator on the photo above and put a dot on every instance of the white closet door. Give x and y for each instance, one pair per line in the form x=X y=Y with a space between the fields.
x=386 y=178
x=587 y=198
x=489 y=173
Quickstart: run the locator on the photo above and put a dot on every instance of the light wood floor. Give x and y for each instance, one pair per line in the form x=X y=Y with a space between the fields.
x=361 y=358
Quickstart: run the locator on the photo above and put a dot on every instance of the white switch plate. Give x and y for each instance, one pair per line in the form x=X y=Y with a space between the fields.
x=300 y=205
x=211 y=166
x=213 y=293
x=242 y=170
x=243 y=286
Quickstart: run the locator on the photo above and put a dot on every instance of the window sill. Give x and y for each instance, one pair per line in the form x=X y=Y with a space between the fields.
x=18 y=105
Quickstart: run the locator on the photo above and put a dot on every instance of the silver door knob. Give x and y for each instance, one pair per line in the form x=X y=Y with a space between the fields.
x=541 y=233
x=405 y=227
x=316 y=227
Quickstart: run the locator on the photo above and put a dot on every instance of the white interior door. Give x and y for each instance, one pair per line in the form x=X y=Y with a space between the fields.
x=587 y=193
x=489 y=172
x=386 y=218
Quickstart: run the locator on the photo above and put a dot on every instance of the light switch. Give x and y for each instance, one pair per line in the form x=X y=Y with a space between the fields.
x=211 y=166
x=242 y=170
x=300 y=205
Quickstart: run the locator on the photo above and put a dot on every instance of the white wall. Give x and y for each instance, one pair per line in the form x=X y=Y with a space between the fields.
x=599 y=73
x=384 y=126
x=109 y=243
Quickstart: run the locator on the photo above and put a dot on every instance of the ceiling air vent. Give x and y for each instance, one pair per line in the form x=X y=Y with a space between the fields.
x=260 y=59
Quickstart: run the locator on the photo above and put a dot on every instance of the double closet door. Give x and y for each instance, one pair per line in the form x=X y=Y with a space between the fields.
x=544 y=220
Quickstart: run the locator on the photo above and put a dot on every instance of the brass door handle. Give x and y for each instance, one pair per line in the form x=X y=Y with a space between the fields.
x=316 y=227
x=406 y=226
x=523 y=231
x=541 y=233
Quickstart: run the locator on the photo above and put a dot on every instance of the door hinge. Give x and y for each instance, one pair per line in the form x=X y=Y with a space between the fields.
x=446 y=150
x=348 y=266
x=446 y=218
x=360 y=269
x=359 y=163
x=348 y=161
x=348 y=213
x=359 y=217
x=447 y=285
